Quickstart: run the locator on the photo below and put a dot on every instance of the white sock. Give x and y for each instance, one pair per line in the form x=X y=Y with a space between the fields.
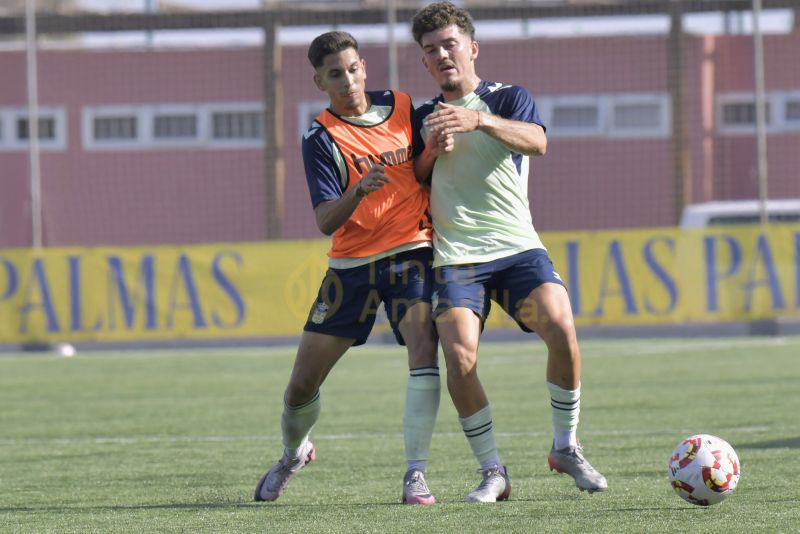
x=417 y=465
x=422 y=405
x=492 y=461
x=480 y=435
x=296 y=424
x=566 y=406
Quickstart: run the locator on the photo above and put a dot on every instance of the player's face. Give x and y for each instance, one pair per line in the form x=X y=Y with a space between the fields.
x=343 y=76
x=449 y=55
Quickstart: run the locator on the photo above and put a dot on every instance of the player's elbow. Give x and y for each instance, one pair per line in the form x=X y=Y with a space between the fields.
x=325 y=228
x=538 y=141
x=540 y=146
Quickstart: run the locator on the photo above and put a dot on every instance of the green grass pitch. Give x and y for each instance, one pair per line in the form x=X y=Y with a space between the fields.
x=175 y=441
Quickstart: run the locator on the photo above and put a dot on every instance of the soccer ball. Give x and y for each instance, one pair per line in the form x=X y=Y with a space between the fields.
x=703 y=469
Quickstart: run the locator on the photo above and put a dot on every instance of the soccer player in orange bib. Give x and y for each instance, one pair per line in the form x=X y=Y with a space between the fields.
x=357 y=156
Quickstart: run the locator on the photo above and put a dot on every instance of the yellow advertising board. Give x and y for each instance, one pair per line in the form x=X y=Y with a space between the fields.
x=626 y=277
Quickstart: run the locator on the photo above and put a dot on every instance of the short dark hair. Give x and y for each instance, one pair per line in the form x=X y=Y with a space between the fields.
x=441 y=15
x=329 y=43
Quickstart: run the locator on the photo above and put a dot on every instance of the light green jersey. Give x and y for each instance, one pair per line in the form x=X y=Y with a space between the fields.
x=479 y=192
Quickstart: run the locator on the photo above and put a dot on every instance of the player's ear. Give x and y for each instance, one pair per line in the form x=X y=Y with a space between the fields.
x=318 y=82
x=364 y=66
x=474 y=50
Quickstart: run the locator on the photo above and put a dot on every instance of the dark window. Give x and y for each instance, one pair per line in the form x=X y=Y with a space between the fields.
x=237 y=125
x=47 y=129
x=115 y=128
x=175 y=127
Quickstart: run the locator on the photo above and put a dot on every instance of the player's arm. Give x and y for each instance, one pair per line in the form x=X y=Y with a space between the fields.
x=428 y=149
x=436 y=144
x=526 y=138
x=332 y=214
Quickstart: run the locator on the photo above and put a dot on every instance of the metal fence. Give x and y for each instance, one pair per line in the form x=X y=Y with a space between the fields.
x=185 y=126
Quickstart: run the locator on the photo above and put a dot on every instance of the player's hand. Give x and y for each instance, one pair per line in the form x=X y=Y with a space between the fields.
x=449 y=119
x=439 y=142
x=374 y=179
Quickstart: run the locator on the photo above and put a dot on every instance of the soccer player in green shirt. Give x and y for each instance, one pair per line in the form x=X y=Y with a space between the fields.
x=472 y=143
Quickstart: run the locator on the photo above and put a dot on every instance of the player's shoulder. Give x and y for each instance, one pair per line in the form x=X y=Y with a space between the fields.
x=500 y=91
x=428 y=107
x=511 y=101
x=314 y=132
x=385 y=98
x=316 y=139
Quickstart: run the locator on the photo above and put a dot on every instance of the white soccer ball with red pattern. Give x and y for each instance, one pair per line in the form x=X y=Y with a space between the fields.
x=704 y=469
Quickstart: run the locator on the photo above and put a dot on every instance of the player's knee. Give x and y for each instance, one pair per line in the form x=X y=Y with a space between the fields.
x=300 y=389
x=557 y=329
x=423 y=352
x=461 y=362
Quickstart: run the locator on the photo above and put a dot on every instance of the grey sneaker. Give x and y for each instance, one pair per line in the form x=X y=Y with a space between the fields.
x=415 y=489
x=272 y=485
x=495 y=486
x=570 y=460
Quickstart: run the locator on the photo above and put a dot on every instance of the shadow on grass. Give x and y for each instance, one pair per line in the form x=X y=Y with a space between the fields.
x=199 y=506
x=185 y=506
x=788 y=443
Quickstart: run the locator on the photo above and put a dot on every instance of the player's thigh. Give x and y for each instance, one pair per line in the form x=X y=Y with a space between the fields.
x=459 y=331
x=461 y=286
x=548 y=311
x=516 y=286
x=419 y=334
x=316 y=355
x=405 y=286
x=346 y=304
x=460 y=307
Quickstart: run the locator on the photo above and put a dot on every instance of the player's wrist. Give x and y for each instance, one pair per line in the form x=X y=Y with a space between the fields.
x=360 y=191
x=480 y=120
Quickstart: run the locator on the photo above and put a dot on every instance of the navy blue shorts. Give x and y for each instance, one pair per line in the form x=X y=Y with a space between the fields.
x=507 y=281
x=349 y=299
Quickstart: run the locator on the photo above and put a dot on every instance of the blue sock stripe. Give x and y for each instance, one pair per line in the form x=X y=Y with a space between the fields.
x=565 y=402
x=565 y=409
x=478 y=430
x=476 y=434
x=424 y=371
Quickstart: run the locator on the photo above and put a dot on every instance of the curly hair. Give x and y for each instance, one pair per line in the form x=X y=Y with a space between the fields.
x=329 y=43
x=441 y=15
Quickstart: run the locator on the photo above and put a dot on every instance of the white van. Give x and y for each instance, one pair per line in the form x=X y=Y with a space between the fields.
x=739 y=212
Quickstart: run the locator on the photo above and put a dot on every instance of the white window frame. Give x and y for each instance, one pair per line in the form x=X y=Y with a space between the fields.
x=780 y=103
x=4 y=129
x=552 y=103
x=745 y=97
x=11 y=115
x=661 y=100
x=145 y=115
x=235 y=107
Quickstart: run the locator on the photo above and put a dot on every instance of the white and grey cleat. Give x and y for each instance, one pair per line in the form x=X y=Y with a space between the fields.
x=570 y=460
x=495 y=486
x=273 y=484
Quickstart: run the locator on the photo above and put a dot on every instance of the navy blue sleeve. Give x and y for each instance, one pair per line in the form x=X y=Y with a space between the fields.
x=417 y=118
x=514 y=103
x=322 y=173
